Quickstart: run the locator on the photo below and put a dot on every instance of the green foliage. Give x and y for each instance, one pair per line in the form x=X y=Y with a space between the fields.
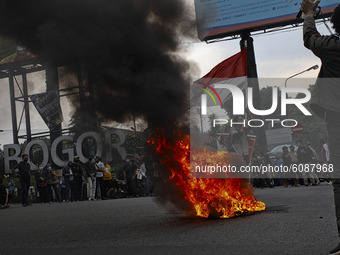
x=80 y=124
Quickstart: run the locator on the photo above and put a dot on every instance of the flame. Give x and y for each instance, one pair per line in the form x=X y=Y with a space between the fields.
x=224 y=198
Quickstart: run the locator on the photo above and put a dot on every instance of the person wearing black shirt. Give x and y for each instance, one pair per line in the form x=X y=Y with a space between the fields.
x=68 y=179
x=41 y=181
x=130 y=170
x=77 y=171
x=24 y=175
x=305 y=157
x=286 y=161
x=90 y=169
x=325 y=100
x=3 y=195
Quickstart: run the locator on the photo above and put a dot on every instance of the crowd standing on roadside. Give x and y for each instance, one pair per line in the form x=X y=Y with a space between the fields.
x=304 y=156
x=69 y=185
x=93 y=180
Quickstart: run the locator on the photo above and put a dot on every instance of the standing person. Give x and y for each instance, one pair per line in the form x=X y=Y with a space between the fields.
x=107 y=178
x=130 y=170
x=314 y=160
x=99 y=178
x=277 y=161
x=41 y=181
x=60 y=187
x=314 y=154
x=239 y=139
x=24 y=175
x=305 y=157
x=145 y=178
x=257 y=160
x=325 y=100
x=52 y=182
x=325 y=153
x=91 y=177
x=270 y=174
x=325 y=158
x=77 y=170
x=294 y=159
x=68 y=179
x=3 y=195
x=10 y=187
x=287 y=161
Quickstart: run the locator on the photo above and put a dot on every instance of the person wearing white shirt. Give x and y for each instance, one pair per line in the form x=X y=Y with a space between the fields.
x=327 y=152
x=99 y=177
x=145 y=179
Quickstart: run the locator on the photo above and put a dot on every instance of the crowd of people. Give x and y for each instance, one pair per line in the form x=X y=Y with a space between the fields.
x=304 y=155
x=69 y=185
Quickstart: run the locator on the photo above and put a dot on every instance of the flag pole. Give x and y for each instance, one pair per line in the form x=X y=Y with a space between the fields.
x=201 y=118
x=247 y=42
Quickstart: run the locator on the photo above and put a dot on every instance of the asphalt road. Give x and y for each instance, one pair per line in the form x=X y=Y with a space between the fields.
x=297 y=221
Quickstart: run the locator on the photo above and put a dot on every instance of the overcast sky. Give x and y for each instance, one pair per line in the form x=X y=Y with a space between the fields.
x=279 y=54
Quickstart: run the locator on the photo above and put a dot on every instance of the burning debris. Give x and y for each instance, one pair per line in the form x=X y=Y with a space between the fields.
x=208 y=197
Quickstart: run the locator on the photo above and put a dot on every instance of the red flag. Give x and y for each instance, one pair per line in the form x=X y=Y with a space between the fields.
x=232 y=71
x=235 y=66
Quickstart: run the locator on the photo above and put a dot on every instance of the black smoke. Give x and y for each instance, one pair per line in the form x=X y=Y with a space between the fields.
x=128 y=48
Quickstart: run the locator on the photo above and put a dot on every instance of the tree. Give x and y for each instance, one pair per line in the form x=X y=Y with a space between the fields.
x=78 y=123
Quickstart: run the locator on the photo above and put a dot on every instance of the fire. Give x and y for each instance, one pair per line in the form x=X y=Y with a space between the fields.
x=224 y=198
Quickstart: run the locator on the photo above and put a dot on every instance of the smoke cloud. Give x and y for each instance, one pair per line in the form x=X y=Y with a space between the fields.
x=127 y=47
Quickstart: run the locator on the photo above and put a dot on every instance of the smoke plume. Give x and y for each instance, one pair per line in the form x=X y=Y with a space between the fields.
x=128 y=48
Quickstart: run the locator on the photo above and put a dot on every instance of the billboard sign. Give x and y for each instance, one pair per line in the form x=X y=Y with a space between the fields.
x=219 y=18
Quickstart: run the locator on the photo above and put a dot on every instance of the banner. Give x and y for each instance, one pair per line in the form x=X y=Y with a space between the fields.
x=48 y=106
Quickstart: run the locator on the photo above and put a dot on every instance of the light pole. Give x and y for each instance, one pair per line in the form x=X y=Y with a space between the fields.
x=307 y=70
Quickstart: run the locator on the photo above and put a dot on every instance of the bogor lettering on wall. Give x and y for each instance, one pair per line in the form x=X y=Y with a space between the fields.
x=102 y=143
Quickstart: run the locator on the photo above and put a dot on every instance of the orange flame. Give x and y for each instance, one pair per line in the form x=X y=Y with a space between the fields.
x=222 y=197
